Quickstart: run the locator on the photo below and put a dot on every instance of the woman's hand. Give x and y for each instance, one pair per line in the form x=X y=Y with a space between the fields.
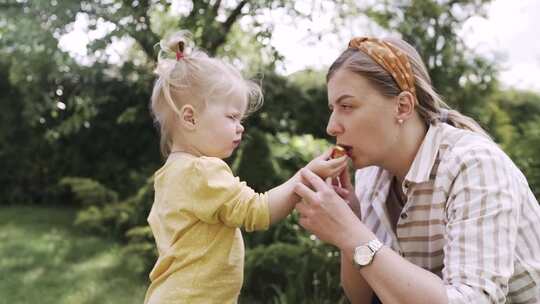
x=344 y=188
x=323 y=212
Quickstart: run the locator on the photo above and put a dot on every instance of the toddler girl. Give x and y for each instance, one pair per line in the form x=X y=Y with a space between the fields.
x=198 y=103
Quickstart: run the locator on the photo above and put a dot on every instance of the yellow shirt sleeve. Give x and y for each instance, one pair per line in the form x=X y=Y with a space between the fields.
x=219 y=196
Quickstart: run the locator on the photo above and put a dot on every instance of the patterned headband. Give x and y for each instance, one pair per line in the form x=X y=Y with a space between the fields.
x=390 y=58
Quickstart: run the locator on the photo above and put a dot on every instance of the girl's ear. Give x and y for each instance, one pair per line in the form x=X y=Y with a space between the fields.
x=405 y=106
x=187 y=117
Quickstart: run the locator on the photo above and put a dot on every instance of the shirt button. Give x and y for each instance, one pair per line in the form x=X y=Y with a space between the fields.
x=404 y=215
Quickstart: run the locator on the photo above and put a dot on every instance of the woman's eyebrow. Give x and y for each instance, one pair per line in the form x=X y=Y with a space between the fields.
x=341 y=98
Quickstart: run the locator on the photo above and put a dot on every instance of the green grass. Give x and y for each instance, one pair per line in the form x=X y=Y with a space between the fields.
x=44 y=259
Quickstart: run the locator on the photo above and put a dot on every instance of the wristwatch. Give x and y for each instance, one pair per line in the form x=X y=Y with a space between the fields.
x=363 y=254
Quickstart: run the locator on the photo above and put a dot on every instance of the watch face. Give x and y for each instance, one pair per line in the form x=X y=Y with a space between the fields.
x=363 y=255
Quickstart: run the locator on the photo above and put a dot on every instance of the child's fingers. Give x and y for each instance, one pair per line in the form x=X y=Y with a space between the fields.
x=326 y=155
x=337 y=162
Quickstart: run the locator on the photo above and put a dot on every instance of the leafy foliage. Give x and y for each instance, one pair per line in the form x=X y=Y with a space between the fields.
x=89 y=192
x=464 y=78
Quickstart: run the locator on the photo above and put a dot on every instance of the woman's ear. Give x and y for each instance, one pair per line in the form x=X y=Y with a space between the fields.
x=405 y=106
x=187 y=117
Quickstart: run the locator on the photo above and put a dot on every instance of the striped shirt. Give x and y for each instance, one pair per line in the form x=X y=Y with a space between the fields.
x=469 y=217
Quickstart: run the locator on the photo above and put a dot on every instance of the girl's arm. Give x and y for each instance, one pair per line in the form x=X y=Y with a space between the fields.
x=282 y=199
x=223 y=198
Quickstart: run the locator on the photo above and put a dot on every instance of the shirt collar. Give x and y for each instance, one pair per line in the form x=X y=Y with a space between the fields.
x=420 y=169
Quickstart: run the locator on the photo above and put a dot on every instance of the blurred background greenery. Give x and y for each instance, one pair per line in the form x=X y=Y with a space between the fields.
x=78 y=147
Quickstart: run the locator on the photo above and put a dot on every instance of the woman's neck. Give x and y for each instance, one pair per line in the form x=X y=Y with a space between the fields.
x=411 y=136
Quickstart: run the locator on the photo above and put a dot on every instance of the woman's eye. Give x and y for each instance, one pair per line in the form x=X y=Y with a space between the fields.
x=345 y=106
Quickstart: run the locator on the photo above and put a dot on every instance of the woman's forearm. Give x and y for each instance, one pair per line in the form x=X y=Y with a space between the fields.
x=390 y=276
x=354 y=285
x=395 y=280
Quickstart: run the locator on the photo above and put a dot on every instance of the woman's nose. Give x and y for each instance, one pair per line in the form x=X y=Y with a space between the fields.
x=333 y=128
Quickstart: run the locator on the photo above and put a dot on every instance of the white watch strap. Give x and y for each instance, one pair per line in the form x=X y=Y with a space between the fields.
x=374 y=245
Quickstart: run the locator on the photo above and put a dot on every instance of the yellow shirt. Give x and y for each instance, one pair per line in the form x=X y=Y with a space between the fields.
x=198 y=208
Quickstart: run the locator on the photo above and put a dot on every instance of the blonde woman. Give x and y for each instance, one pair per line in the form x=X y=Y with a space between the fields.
x=439 y=213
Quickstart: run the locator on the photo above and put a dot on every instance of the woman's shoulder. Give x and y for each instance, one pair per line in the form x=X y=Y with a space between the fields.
x=456 y=137
x=462 y=149
x=463 y=144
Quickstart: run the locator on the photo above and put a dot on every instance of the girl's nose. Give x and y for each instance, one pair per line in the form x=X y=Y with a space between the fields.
x=240 y=128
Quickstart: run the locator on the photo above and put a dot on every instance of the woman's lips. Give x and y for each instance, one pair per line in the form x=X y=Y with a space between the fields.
x=236 y=143
x=348 y=149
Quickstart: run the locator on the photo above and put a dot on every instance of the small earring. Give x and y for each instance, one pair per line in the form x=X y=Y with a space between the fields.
x=400 y=121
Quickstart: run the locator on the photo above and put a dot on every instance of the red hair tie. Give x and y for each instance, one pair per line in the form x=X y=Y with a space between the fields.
x=179 y=55
x=180 y=51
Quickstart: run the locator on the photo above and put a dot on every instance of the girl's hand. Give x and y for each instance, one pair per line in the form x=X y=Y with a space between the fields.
x=326 y=167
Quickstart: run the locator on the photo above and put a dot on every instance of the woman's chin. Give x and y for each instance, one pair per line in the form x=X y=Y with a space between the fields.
x=359 y=163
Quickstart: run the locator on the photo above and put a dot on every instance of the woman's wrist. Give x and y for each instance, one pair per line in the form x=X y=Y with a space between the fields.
x=355 y=236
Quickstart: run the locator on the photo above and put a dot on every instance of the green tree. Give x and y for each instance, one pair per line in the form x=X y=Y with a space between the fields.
x=517 y=120
x=91 y=113
x=461 y=76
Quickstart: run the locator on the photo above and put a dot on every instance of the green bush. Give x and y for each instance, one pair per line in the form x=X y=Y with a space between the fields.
x=89 y=192
x=303 y=272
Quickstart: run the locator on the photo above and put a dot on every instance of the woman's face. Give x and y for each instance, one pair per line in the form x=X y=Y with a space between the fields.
x=362 y=120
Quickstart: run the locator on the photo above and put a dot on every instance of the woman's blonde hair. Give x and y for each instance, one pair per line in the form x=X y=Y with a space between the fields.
x=187 y=75
x=429 y=106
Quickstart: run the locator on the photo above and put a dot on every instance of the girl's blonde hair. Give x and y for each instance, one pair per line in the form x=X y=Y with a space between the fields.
x=429 y=106
x=187 y=75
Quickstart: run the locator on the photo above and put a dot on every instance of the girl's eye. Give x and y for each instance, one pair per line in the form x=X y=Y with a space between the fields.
x=345 y=106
